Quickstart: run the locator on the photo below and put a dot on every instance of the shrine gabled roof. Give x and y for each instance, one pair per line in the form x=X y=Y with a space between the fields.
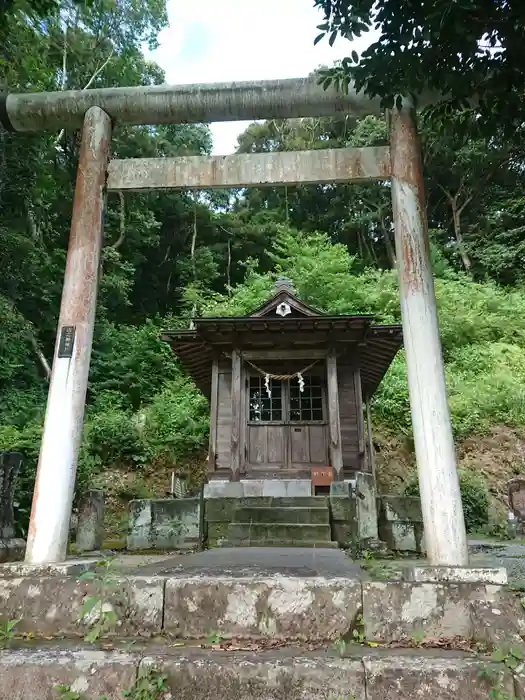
x=285 y=296
x=286 y=321
x=378 y=344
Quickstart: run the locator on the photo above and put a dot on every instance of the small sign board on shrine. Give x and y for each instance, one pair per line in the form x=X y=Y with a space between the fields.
x=321 y=477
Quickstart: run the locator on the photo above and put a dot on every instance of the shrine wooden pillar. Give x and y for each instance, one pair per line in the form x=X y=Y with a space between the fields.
x=334 y=425
x=236 y=398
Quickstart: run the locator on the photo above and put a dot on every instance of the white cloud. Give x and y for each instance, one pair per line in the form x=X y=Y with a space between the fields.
x=211 y=41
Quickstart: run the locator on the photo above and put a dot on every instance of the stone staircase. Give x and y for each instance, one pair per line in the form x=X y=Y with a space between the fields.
x=202 y=630
x=281 y=522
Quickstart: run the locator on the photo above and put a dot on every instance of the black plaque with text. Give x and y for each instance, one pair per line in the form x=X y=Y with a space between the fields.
x=67 y=340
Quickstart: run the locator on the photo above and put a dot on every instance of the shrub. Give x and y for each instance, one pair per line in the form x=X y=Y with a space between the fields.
x=474 y=494
x=113 y=437
x=176 y=423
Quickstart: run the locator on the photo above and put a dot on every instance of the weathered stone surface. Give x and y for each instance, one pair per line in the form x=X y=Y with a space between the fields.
x=342 y=488
x=51 y=606
x=343 y=508
x=10 y=463
x=394 y=611
x=256 y=532
x=343 y=518
x=222 y=509
x=11 y=548
x=499 y=624
x=280 y=607
x=288 y=675
x=366 y=508
x=90 y=526
x=164 y=524
x=400 y=523
x=217 y=534
x=284 y=674
x=257 y=563
x=519 y=684
x=71 y=567
x=274 y=488
x=220 y=488
x=517 y=497
x=267 y=521
x=33 y=673
x=269 y=514
x=424 y=676
x=401 y=508
x=456 y=574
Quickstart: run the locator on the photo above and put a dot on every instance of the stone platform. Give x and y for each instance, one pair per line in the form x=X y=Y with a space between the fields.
x=255 y=561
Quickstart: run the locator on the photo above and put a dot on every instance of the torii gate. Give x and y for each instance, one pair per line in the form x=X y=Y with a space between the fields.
x=94 y=111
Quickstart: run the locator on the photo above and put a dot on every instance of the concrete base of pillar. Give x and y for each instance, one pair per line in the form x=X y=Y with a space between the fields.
x=71 y=567
x=455 y=574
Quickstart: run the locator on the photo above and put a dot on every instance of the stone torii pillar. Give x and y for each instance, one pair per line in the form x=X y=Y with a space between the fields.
x=55 y=478
x=445 y=536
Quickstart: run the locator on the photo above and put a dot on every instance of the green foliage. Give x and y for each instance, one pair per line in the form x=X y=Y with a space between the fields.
x=503 y=662
x=64 y=692
x=8 y=632
x=176 y=423
x=131 y=361
x=149 y=685
x=97 y=608
x=474 y=494
x=457 y=49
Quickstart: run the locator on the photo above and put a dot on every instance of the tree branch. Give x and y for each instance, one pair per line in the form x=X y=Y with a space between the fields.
x=64 y=60
x=122 y=235
x=41 y=356
x=35 y=231
x=86 y=87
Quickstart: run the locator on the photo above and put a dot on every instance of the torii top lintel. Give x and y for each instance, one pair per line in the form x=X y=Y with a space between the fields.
x=176 y=104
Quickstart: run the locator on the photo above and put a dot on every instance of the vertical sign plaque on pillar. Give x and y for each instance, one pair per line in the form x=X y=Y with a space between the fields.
x=57 y=463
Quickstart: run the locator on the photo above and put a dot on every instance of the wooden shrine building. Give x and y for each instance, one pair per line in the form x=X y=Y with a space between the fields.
x=286 y=386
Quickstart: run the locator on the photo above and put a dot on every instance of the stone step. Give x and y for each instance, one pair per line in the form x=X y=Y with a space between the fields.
x=260 y=532
x=239 y=604
x=283 y=543
x=318 y=515
x=192 y=673
x=274 y=501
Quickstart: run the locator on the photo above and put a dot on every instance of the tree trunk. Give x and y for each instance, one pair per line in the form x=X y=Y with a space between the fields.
x=388 y=245
x=456 y=220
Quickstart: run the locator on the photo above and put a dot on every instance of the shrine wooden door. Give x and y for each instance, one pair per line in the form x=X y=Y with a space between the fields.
x=286 y=428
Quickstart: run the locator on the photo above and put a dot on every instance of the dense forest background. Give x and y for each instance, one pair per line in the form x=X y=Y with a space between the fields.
x=168 y=256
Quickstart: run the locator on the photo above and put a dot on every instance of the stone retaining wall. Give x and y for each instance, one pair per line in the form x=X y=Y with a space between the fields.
x=164 y=524
x=400 y=523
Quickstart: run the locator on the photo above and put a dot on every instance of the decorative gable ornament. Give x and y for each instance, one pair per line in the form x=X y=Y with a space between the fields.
x=283 y=309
